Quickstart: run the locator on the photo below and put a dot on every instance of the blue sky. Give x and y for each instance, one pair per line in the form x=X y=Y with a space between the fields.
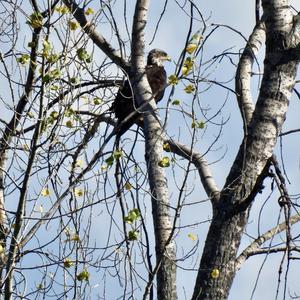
x=171 y=37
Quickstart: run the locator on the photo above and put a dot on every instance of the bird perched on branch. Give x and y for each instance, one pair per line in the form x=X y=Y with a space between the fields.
x=124 y=104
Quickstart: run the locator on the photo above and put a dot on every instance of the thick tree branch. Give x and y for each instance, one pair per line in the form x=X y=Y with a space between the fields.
x=165 y=249
x=293 y=40
x=201 y=164
x=228 y=224
x=244 y=71
x=95 y=36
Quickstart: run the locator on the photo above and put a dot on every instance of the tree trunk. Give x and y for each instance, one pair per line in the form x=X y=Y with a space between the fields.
x=154 y=138
x=230 y=210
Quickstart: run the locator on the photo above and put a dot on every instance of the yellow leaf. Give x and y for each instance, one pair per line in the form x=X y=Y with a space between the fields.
x=192 y=236
x=173 y=80
x=25 y=147
x=185 y=70
x=190 y=88
x=191 y=48
x=69 y=124
x=73 y=25
x=68 y=263
x=54 y=114
x=189 y=62
x=78 y=192
x=1 y=249
x=75 y=238
x=83 y=275
x=166 y=147
x=103 y=167
x=30 y=115
x=45 y=192
x=79 y=163
x=62 y=9
x=67 y=232
x=118 y=154
x=89 y=11
x=128 y=186
x=215 y=273
x=164 y=162
x=197 y=38
x=187 y=65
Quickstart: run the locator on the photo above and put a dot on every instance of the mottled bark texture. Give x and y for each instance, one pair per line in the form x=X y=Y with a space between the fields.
x=230 y=210
x=154 y=138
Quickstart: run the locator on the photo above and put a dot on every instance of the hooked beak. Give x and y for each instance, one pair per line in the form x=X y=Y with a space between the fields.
x=168 y=58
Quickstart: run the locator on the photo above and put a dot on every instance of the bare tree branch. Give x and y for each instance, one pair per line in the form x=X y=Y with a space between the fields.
x=254 y=247
x=95 y=36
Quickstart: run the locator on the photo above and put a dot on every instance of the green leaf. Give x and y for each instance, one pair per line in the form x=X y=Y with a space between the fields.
x=97 y=101
x=136 y=212
x=118 y=154
x=176 y=102
x=53 y=58
x=173 y=80
x=133 y=215
x=35 y=20
x=83 y=276
x=31 y=44
x=75 y=80
x=201 y=125
x=68 y=263
x=54 y=74
x=83 y=55
x=54 y=114
x=47 y=78
x=110 y=161
x=24 y=59
x=133 y=235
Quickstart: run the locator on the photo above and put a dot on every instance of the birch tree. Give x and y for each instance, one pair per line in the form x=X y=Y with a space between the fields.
x=85 y=215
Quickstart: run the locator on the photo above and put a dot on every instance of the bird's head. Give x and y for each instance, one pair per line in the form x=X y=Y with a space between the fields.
x=157 y=57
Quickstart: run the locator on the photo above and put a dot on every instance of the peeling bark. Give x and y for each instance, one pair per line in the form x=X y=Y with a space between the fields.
x=154 y=138
x=230 y=212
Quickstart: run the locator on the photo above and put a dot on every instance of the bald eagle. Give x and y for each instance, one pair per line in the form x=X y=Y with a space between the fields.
x=124 y=104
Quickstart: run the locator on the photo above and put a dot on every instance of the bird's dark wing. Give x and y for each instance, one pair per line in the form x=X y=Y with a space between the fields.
x=157 y=78
x=124 y=104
